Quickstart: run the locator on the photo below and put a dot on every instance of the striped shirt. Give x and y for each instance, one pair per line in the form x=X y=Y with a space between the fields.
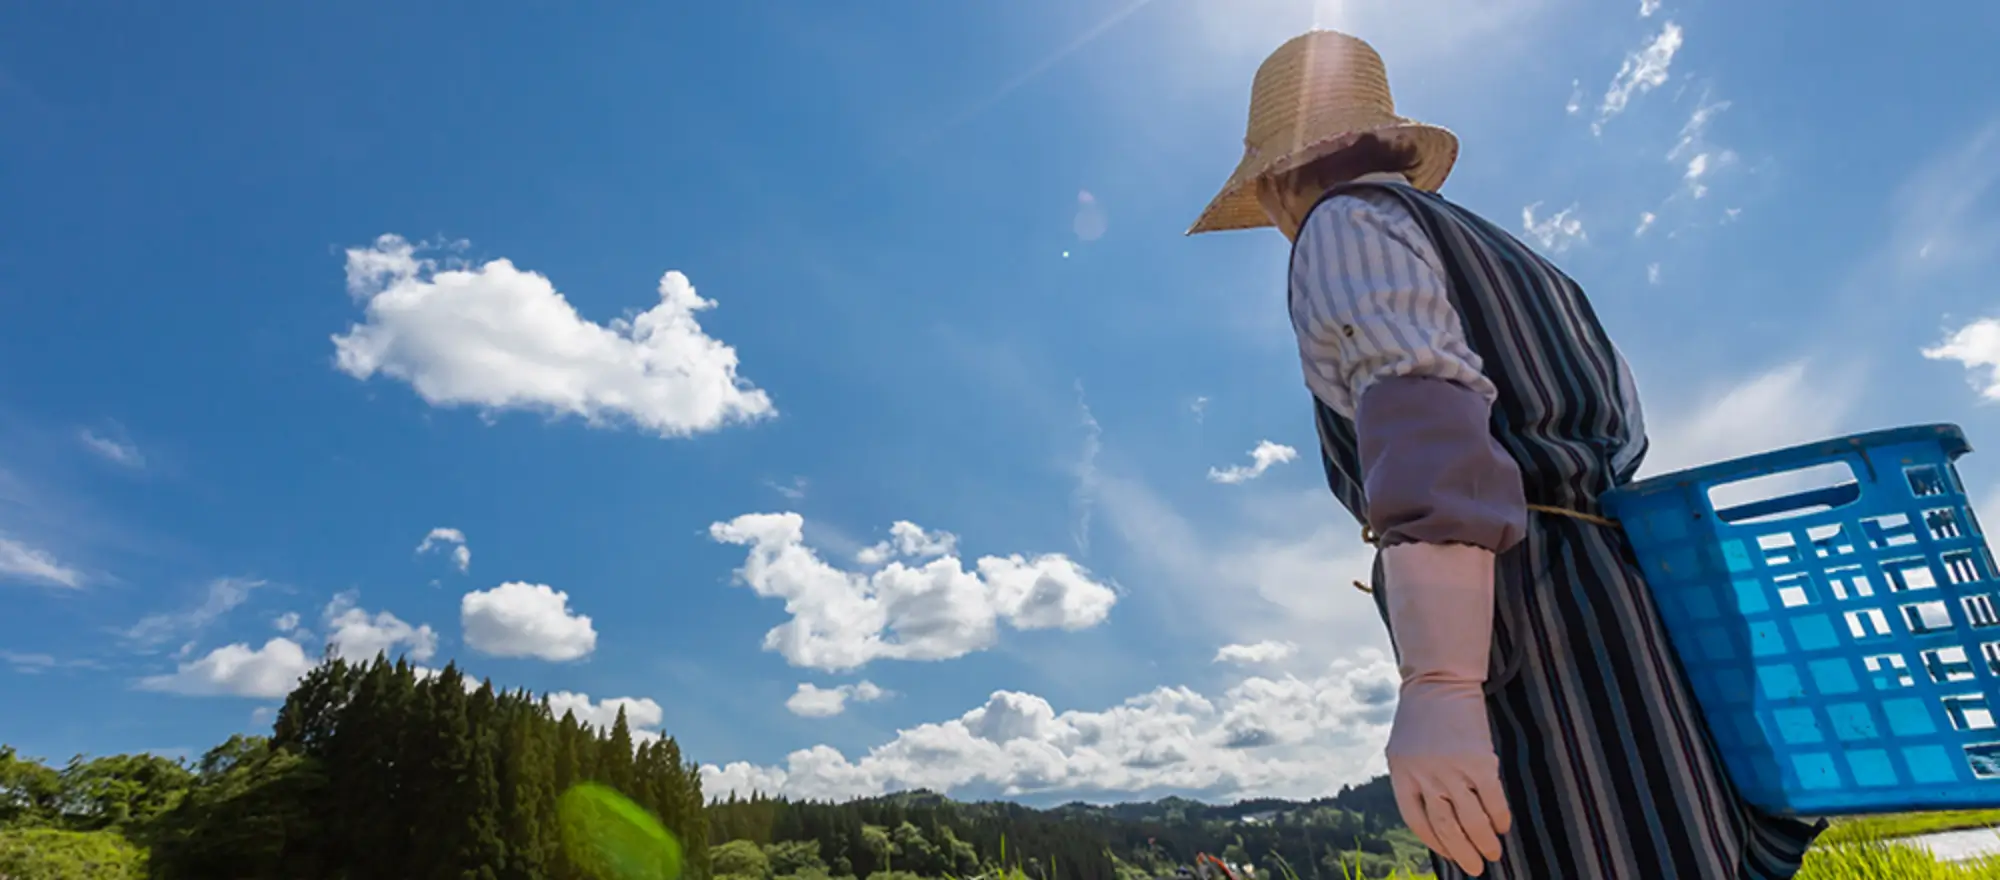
x=1372 y=312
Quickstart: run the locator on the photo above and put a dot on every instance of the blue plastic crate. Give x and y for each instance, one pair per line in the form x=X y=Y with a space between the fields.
x=1843 y=642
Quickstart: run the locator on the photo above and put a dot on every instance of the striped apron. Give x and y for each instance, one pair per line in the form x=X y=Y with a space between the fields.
x=1608 y=766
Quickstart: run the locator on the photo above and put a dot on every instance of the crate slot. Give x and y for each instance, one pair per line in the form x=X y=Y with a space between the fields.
x=1830 y=540
x=1888 y=530
x=1909 y=573
x=1984 y=759
x=1924 y=618
x=1944 y=523
x=1849 y=581
x=1961 y=567
x=1948 y=665
x=1925 y=480
x=1888 y=672
x=1968 y=712
x=1794 y=590
x=1979 y=611
x=1867 y=623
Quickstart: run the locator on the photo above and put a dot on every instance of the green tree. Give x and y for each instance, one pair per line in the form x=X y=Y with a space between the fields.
x=30 y=791
x=54 y=854
x=740 y=860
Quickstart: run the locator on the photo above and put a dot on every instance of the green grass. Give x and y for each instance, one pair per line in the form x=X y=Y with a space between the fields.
x=1862 y=828
x=1852 y=849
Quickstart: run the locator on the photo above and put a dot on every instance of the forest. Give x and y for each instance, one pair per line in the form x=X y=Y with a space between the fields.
x=385 y=770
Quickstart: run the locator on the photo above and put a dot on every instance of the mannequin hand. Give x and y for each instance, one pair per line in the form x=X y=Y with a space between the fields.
x=1444 y=772
x=1441 y=759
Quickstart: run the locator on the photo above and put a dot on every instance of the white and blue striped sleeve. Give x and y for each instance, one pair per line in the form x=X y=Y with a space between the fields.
x=1382 y=345
x=1369 y=302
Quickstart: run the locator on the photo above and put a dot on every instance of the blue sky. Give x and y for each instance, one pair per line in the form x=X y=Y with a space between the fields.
x=279 y=305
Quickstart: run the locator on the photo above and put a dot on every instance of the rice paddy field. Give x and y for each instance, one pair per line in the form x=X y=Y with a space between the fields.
x=1878 y=848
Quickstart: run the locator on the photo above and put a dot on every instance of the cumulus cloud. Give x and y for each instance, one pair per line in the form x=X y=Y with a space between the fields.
x=497 y=338
x=525 y=620
x=1642 y=72
x=441 y=538
x=222 y=596
x=20 y=562
x=639 y=711
x=1290 y=736
x=114 y=451
x=1256 y=653
x=1976 y=346
x=237 y=671
x=357 y=636
x=1262 y=458
x=813 y=701
x=910 y=540
x=912 y=608
x=1554 y=233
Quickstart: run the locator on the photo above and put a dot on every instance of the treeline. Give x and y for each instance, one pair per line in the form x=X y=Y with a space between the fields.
x=1356 y=832
x=382 y=770
x=371 y=770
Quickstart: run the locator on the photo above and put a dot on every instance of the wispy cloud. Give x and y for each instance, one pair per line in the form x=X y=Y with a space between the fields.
x=1083 y=502
x=1648 y=7
x=1693 y=151
x=1575 y=104
x=1262 y=458
x=1646 y=220
x=222 y=596
x=1642 y=72
x=1556 y=232
x=20 y=562
x=111 y=450
x=794 y=490
x=1976 y=346
x=1652 y=273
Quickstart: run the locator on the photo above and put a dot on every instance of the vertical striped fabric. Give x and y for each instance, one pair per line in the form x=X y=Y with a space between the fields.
x=1609 y=770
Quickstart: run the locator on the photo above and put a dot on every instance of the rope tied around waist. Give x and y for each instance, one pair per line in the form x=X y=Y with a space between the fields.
x=1369 y=537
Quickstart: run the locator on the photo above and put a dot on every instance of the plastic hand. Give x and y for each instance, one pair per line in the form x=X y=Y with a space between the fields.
x=1441 y=760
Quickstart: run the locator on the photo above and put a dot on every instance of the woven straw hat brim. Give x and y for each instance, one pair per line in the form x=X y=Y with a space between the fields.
x=1237 y=207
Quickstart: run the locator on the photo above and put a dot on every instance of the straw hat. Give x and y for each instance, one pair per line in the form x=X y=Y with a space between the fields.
x=1316 y=95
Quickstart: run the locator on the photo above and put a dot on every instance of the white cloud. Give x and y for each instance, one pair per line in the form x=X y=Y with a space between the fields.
x=1199 y=406
x=525 y=620
x=639 y=712
x=1652 y=273
x=796 y=490
x=1262 y=736
x=357 y=637
x=1976 y=346
x=222 y=596
x=910 y=540
x=21 y=562
x=1575 y=104
x=1642 y=72
x=1256 y=652
x=1646 y=219
x=498 y=338
x=112 y=450
x=1554 y=233
x=237 y=671
x=1262 y=458
x=931 y=609
x=1648 y=7
x=286 y=622
x=812 y=701
x=440 y=538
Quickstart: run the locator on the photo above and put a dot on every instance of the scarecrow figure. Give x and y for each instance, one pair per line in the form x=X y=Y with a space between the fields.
x=1471 y=410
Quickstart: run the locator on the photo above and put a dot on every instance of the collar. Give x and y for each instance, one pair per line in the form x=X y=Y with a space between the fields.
x=1382 y=177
